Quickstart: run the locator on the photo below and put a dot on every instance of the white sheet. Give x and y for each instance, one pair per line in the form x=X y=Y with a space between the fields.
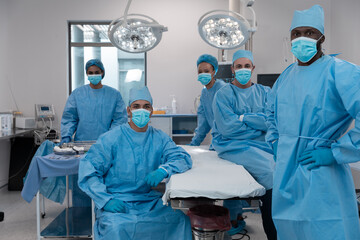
x=212 y=177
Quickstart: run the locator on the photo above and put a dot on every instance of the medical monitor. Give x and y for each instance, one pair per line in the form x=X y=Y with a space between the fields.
x=267 y=79
x=224 y=72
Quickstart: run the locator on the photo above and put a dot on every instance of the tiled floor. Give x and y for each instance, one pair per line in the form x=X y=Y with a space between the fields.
x=20 y=218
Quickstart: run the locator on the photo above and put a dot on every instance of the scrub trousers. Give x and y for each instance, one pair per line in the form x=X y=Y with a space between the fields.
x=267 y=221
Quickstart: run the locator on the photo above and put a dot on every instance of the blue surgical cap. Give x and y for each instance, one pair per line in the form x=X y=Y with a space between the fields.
x=312 y=17
x=209 y=59
x=140 y=94
x=95 y=62
x=243 y=54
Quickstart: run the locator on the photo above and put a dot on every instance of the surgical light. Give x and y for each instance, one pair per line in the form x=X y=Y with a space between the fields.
x=133 y=75
x=225 y=29
x=135 y=33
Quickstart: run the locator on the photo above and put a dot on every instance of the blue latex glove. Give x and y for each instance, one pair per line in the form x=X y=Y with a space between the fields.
x=317 y=158
x=155 y=177
x=65 y=140
x=115 y=206
x=274 y=147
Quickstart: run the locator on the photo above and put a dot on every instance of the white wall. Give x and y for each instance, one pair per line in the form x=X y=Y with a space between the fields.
x=34 y=51
x=346 y=34
x=39 y=56
x=37 y=41
x=274 y=20
x=5 y=97
x=5 y=100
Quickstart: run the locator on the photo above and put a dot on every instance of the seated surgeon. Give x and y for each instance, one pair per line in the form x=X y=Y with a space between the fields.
x=207 y=67
x=90 y=111
x=239 y=131
x=119 y=171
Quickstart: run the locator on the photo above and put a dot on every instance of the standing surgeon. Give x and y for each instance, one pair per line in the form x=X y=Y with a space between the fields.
x=90 y=111
x=239 y=134
x=119 y=171
x=207 y=67
x=311 y=106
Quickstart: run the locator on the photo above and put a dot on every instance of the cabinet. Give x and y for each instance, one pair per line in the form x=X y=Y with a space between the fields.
x=180 y=127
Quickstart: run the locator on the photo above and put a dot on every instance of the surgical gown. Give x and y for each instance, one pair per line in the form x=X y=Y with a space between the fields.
x=205 y=114
x=91 y=112
x=243 y=141
x=311 y=107
x=116 y=166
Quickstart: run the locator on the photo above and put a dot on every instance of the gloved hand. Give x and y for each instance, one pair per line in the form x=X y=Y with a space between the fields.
x=155 y=177
x=317 y=158
x=65 y=140
x=115 y=206
x=274 y=147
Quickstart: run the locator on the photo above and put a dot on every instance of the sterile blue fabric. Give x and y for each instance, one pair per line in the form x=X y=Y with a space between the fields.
x=142 y=93
x=66 y=139
x=243 y=142
x=239 y=228
x=90 y=112
x=140 y=117
x=95 y=62
x=52 y=188
x=310 y=108
x=48 y=166
x=204 y=78
x=209 y=59
x=116 y=167
x=243 y=54
x=205 y=116
x=304 y=48
x=274 y=147
x=235 y=208
x=95 y=79
x=155 y=177
x=312 y=17
x=243 y=75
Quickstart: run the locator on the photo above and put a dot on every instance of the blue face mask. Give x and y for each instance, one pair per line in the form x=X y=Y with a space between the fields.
x=95 y=79
x=304 y=49
x=140 y=117
x=243 y=75
x=204 y=78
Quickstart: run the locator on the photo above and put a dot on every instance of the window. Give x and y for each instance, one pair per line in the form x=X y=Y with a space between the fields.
x=123 y=70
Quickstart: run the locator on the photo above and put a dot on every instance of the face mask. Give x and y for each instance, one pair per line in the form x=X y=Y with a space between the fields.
x=140 y=117
x=95 y=79
x=243 y=75
x=204 y=78
x=304 y=48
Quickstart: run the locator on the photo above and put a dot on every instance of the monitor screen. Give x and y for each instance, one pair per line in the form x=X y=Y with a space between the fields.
x=224 y=72
x=44 y=108
x=267 y=79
